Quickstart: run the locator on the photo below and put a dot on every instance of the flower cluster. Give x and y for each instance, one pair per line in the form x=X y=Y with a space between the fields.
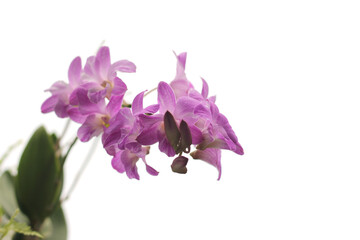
x=182 y=117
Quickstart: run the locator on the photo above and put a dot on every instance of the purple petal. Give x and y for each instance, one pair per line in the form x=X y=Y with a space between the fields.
x=196 y=134
x=149 y=120
x=152 y=108
x=114 y=105
x=75 y=115
x=205 y=89
x=181 y=87
x=133 y=147
x=151 y=170
x=90 y=128
x=117 y=163
x=165 y=146
x=149 y=135
x=89 y=67
x=119 y=87
x=102 y=62
x=137 y=104
x=58 y=88
x=49 y=104
x=202 y=111
x=212 y=99
x=211 y=156
x=124 y=117
x=185 y=106
x=129 y=160
x=122 y=66
x=87 y=107
x=74 y=72
x=113 y=135
x=166 y=98
x=181 y=61
x=61 y=109
x=195 y=94
x=95 y=95
x=239 y=150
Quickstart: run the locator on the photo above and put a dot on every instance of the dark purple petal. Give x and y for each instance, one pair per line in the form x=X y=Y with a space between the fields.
x=117 y=163
x=172 y=131
x=186 y=139
x=179 y=165
x=205 y=89
x=166 y=98
x=211 y=156
x=74 y=72
x=49 y=104
x=119 y=87
x=90 y=128
x=137 y=104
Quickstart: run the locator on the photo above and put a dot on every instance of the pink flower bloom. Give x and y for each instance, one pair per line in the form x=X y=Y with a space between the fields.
x=100 y=75
x=61 y=91
x=119 y=139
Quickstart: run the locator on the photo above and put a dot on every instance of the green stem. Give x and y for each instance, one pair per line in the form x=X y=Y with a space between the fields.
x=81 y=170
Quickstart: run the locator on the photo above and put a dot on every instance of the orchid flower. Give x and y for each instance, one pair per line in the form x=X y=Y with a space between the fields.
x=100 y=76
x=61 y=91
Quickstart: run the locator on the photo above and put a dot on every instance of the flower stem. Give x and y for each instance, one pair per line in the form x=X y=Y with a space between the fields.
x=147 y=93
x=81 y=170
x=65 y=129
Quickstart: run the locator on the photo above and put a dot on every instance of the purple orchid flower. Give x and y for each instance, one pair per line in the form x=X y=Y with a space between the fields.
x=119 y=139
x=181 y=110
x=61 y=91
x=97 y=115
x=100 y=76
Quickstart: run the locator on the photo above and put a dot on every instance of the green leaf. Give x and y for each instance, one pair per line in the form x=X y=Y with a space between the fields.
x=59 y=228
x=40 y=177
x=8 y=198
x=54 y=227
x=18 y=227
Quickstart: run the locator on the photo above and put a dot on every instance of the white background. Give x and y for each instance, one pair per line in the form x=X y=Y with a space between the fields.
x=285 y=73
